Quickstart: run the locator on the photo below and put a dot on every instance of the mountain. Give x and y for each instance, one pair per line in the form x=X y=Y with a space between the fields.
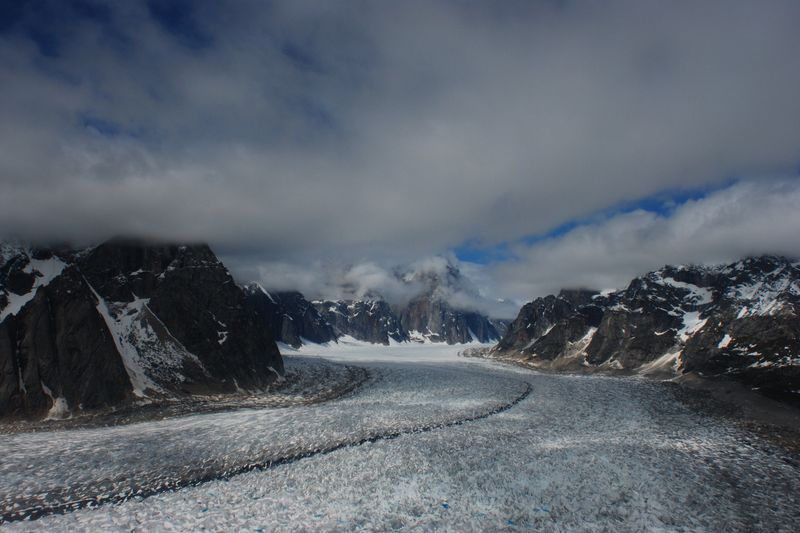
x=289 y=316
x=433 y=314
x=121 y=322
x=433 y=319
x=738 y=320
x=367 y=320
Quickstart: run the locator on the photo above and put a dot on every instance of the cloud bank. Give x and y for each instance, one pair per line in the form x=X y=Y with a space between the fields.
x=749 y=218
x=295 y=134
x=460 y=284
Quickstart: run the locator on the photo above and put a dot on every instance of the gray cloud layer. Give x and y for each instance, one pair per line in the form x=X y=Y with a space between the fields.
x=286 y=132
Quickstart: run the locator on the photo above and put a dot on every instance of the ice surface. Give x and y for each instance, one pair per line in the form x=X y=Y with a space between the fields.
x=580 y=453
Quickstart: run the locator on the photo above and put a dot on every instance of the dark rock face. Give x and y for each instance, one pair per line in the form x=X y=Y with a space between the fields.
x=366 y=320
x=434 y=319
x=501 y=325
x=125 y=319
x=738 y=320
x=290 y=317
x=534 y=320
x=59 y=348
x=194 y=296
x=434 y=314
x=564 y=334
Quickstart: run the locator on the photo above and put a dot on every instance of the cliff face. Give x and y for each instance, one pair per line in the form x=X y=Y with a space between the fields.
x=57 y=352
x=429 y=318
x=739 y=320
x=434 y=314
x=367 y=320
x=290 y=317
x=92 y=328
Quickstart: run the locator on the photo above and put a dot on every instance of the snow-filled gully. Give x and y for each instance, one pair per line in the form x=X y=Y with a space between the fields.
x=430 y=441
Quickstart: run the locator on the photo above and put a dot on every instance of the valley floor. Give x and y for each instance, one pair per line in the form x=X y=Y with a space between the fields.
x=430 y=441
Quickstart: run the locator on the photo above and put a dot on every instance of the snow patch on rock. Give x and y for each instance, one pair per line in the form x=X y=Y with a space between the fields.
x=46 y=270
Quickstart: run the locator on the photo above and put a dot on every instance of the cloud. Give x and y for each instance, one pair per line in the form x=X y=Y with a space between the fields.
x=748 y=218
x=454 y=282
x=367 y=280
x=294 y=132
x=415 y=125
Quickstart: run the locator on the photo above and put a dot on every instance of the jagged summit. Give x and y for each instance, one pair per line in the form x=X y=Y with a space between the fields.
x=738 y=319
x=441 y=310
x=438 y=306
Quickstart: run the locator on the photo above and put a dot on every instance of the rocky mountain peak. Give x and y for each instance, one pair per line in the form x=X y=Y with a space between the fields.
x=738 y=319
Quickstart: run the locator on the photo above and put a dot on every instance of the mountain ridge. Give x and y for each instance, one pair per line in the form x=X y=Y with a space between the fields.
x=438 y=311
x=738 y=320
x=124 y=321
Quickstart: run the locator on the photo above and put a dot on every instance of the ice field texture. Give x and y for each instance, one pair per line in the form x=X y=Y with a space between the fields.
x=431 y=441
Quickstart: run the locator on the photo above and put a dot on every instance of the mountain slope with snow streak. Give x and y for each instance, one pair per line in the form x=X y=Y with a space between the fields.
x=125 y=321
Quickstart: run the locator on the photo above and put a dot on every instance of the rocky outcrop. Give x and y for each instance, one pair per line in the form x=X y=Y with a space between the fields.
x=366 y=320
x=57 y=355
x=738 y=320
x=92 y=328
x=290 y=317
x=441 y=311
x=535 y=319
x=430 y=318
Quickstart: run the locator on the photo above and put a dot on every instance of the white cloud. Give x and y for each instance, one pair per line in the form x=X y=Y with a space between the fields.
x=395 y=284
x=381 y=133
x=410 y=126
x=749 y=218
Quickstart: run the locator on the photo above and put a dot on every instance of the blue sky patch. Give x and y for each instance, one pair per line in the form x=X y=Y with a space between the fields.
x=177 y=18
x=662 y=204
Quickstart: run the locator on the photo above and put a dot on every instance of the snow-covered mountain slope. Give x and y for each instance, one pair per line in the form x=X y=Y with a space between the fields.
x=739 y=320
x=92 y=328
x=423 y=319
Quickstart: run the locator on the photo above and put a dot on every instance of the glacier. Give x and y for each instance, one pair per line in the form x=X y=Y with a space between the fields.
x=430 y=441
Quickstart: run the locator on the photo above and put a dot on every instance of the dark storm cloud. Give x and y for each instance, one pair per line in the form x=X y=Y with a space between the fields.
x=288 y=131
